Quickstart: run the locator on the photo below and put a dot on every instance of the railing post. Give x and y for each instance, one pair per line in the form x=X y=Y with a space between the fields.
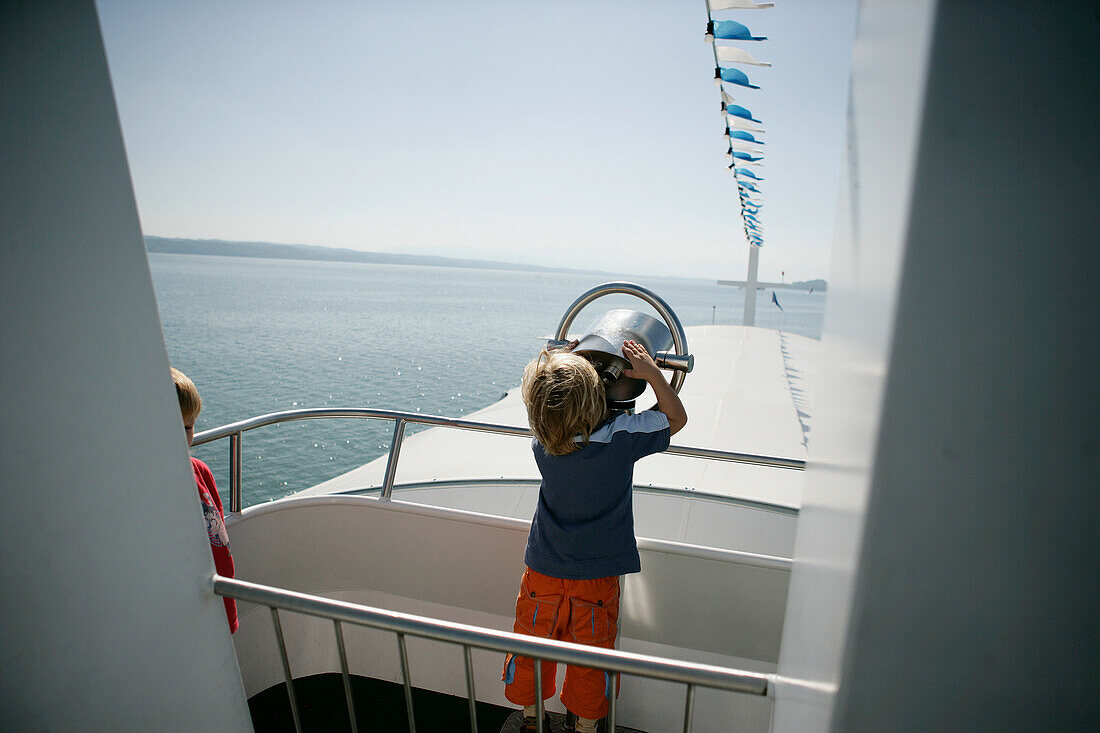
x=235 y=500
x=286 y=669
x=613 y=683
x=470 y=687
x=344 y=673
x=395 y=452
x=539 y=711
x=689 y=707
x=404 y=654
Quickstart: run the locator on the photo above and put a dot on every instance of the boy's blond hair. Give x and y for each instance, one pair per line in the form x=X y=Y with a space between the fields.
x=188 y=395
x=564 y=398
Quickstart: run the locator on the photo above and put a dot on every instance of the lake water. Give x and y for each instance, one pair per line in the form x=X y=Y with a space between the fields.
x=264 y=335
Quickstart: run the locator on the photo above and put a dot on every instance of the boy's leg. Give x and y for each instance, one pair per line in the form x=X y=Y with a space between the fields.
x=538 y=609
x=593 y=607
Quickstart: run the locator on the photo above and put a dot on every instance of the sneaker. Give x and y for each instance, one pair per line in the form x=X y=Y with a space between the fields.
x=571 y=723
x=530 y=724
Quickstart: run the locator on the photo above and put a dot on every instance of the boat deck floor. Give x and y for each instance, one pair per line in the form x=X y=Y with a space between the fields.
x=557 y=724
x=380 y=706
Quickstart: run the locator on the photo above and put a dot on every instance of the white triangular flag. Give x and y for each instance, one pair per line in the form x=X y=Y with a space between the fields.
x=740 y=124
x=734 y=55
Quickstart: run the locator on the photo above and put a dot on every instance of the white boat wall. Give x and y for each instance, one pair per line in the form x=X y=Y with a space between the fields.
x=943 y=558
x=108 y=621
x=944 y=563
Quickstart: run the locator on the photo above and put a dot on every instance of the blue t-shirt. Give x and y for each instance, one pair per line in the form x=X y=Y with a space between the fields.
x=584 y=524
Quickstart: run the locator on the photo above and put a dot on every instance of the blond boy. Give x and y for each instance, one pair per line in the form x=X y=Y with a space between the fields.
x=190 y=406
x=582 y=534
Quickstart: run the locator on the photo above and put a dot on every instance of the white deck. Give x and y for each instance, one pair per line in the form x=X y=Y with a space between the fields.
x=747 y=394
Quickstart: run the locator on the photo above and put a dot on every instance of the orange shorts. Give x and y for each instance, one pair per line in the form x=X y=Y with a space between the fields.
x=579 y=611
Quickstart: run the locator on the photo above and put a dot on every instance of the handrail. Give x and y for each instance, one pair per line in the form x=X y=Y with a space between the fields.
x=691 y=674
x=234 y=431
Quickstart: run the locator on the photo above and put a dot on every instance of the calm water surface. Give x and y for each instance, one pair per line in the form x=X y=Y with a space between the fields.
x=263 y=335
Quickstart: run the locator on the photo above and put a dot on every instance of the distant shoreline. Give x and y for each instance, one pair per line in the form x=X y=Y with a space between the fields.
x=270 y=250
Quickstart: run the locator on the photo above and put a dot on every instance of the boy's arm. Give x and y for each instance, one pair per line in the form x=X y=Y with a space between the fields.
x=668 y=402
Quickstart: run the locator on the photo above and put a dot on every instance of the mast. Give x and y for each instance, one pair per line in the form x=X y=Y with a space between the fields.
x=750 y=286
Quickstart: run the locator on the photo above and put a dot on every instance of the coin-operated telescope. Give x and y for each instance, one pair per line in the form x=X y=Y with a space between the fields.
x=602 y=343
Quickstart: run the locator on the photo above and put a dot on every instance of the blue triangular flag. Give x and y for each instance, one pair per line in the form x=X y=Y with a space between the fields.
x=737 y=110
x=776 y=301
x=749 y=174
x=736 y=76
x=747 y=137
x=731 y=30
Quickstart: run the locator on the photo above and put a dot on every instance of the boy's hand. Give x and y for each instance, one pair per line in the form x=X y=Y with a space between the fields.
x=642 y=366
x=668 y=402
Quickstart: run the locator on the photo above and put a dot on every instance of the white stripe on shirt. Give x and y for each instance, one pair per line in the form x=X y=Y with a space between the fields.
x=649 y=421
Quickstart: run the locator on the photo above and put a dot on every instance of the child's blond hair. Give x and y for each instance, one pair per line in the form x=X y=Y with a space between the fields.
x=564 y=398
x=188 y=395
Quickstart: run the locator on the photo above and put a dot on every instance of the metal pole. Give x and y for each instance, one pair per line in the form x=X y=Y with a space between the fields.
x=344 y=672
x=614 y=679
x=286 y=670
x=750 y=286
x=470 y=687
x=408 y=685
x=391 y=463
x=539 y=712
x=235 y=500
x=689 y=705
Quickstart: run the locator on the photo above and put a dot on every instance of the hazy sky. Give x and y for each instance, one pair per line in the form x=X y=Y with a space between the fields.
x=576 y=134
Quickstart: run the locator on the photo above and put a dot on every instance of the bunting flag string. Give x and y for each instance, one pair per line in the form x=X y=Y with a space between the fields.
x=743 y=145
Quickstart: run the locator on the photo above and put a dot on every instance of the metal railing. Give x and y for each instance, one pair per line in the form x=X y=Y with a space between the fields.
x=234 y=432
x=612 y=661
